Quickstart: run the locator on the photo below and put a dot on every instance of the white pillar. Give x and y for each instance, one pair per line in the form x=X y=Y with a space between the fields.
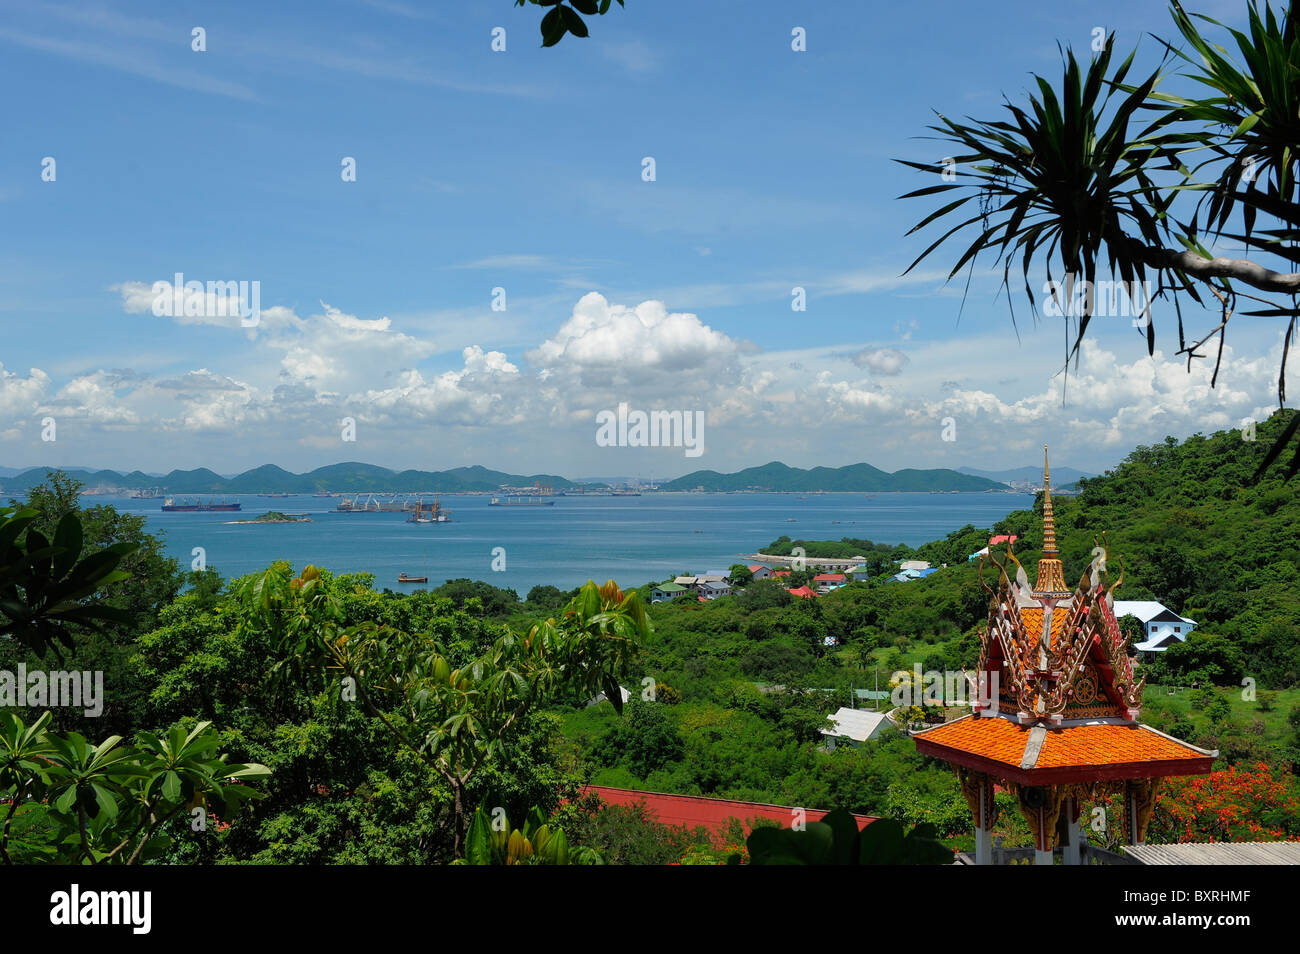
x=1042 y=857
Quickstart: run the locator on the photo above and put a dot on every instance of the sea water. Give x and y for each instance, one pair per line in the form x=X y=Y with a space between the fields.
x=632 y=540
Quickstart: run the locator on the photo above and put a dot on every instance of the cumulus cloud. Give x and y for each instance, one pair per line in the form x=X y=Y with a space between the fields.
x=19 y=395
x=880 y=360
x=301 y=374
x=200 y=380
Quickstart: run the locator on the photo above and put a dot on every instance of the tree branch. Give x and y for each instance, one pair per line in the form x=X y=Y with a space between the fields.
x=1206 y=269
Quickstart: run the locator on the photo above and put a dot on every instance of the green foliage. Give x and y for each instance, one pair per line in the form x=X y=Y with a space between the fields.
x=71 y=802
x=563 y=19
x=45 y=585
x=740 y=574
x=836 y=841
x=625 y=834
x=645 y=740
x=456 y=718
x=492 y=600
x=491 y=841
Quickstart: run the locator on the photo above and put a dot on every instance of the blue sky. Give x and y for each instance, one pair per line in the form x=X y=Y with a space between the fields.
x=522 y=170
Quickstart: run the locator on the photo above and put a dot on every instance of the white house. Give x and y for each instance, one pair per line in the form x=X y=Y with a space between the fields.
x=760 y=572
x=1162 y=625
x=914 y=565
x=711 y=589
x=856 y=726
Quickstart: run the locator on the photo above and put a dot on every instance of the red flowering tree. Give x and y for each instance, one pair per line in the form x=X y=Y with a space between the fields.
x=1246 y=803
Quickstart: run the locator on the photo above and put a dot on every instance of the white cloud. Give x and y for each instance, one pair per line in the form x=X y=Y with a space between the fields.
x=880 y=360
x=19 y=396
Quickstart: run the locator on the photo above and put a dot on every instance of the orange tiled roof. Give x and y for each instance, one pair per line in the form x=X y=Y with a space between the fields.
x=1032 y=617
x=1087 y=750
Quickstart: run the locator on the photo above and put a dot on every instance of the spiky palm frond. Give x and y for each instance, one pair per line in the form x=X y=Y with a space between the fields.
x=1064 y=178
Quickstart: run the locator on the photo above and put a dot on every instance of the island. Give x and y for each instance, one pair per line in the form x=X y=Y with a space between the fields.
x=275 y=516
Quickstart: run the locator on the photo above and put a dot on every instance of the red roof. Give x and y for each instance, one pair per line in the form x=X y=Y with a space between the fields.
x=755 y=567
x=693 y=810
x=829 y=578
x=780 y=572
x=802 y=591
x=1003 y=538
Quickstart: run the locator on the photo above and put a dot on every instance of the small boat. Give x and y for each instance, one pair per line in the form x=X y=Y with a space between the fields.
x=403 y=578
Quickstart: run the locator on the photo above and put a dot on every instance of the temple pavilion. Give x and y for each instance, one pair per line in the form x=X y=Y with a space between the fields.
x=1056 y=723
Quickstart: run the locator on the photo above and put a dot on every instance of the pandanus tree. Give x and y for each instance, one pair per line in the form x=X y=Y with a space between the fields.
x=455 y=717
x=1104 y=173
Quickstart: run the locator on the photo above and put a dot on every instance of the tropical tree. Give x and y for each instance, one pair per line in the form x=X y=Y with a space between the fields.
x=456 y=718
x=71 y=802
x=45 y=585
x=1075 y=181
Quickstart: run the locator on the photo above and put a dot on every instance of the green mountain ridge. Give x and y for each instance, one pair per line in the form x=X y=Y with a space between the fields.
x=353 y=476
x=349 y=476
x=852 y=478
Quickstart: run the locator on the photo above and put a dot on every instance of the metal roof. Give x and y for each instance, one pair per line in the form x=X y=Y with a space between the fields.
x=1218 y=853
x=856 y=724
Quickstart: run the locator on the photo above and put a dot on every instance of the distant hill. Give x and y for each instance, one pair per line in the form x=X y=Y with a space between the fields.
x=269 y=478
x=1060 y=475
x=778 y=477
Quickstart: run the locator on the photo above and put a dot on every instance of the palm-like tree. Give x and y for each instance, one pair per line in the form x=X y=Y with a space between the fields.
x=1076 y=181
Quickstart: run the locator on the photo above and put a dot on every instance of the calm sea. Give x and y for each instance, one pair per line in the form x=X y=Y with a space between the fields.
x=628 y=539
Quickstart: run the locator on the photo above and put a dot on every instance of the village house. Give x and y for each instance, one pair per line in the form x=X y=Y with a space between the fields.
x=667 y=591
x=825 y=582
x=759 y=571
x=1163 y=627
x=855 y=726
x=712 y=589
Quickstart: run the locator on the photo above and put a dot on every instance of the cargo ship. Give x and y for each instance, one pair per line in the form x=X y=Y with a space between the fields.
x=534 y=496
x=171 y=506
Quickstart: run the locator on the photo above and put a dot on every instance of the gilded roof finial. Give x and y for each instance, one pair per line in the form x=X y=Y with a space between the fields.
x=1051 y=580
x=1049 y=520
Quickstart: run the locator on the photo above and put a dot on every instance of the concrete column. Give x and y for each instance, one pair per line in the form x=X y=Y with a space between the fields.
x=1042 y=857
x=1072 y=849
x=984 y=834
x=1131 y=815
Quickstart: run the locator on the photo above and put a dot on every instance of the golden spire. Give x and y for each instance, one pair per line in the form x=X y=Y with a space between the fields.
x=1051 y=578
x=1049 y=521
